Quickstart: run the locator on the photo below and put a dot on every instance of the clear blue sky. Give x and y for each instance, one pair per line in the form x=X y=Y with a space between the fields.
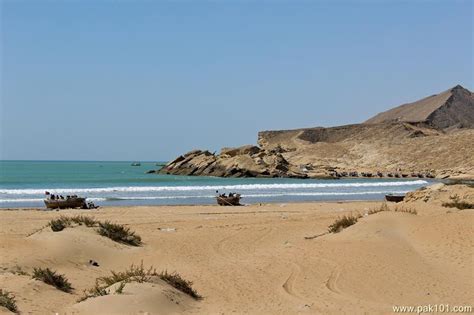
x=148 y=80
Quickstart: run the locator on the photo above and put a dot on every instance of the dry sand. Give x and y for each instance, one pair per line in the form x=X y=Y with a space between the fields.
x=252 y=259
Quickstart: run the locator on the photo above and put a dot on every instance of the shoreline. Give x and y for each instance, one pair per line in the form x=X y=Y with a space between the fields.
x=258 y=204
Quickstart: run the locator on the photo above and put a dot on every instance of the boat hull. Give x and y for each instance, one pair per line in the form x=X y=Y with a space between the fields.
x=65 y=203
x=228 y=201
x=394 y=198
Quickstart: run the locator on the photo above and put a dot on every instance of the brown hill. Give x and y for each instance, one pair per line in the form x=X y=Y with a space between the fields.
x=451 y=108
x=430 y=137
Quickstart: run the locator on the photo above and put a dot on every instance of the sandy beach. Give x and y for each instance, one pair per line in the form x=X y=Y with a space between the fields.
x=258 y=259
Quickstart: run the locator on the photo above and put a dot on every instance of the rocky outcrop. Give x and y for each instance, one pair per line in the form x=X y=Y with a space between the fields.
x=246 y=161
x=433 y=137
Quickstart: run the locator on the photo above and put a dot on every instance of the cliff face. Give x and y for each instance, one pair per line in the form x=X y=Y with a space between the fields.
x=431 y=137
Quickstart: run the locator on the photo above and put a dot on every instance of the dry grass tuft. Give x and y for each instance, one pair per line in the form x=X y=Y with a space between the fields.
x=457 y=203
x=50 y=277
x=63 y=222
x=342 y=223
x=176 y=281
x=385 y=207
x=405 y=210
x=7 y=300
x=138 y=274
x=115 y=232
x=18 y=270
x=119 y=233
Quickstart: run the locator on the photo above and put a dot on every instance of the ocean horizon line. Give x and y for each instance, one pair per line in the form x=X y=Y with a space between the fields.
x=118 y=161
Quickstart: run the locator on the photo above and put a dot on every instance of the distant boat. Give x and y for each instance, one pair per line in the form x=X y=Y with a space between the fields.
x=233 y=200
x=136 y=164
x=394 y=198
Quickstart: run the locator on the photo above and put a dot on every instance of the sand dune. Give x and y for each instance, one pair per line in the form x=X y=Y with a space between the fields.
x=137 y=298
x=253 y=259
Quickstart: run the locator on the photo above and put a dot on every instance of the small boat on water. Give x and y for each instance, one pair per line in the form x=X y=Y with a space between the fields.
x=394 y=198
x=136 y=164
x=231 y=200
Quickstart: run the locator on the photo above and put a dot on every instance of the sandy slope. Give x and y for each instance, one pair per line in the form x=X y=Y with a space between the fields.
x=252 y=259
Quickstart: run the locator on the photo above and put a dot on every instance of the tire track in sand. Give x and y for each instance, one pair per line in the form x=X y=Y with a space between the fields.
x=331 y=283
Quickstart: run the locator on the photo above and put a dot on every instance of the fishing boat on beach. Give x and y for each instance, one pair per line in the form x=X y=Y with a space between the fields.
x=394 y=198
x=59 y=202
x=231 y=200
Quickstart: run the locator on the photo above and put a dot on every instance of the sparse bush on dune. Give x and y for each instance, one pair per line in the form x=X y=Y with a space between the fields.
x=342 y=223
x=139 y=274
x=405 y=210
x=457 y=203
x=7 y=300
x=385 y=207
x=86 y=220
x=176 y=281
x=348 y=220
x=115 y=232
x=63 y=222
x=50 y=277
x=59 y=224
x=119 y=233
x=18 y=270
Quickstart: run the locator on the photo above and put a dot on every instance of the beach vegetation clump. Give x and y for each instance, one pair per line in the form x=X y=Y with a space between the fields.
x=18 y=270
x=385 y=207
x=405 y=210
x=115 y=232
x=60 y=223
x=139 y=274
x=84 y=220
x=456 y=202
x=119 y=289
x=119 y=233
x=176 y=281
x=7 y=300
x=50 y=277
x=63 y=222
x=342 y=223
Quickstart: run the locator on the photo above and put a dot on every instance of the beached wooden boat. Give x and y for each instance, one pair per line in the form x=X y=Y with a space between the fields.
x=233 y=200
x=394 y=198
x=72 y=202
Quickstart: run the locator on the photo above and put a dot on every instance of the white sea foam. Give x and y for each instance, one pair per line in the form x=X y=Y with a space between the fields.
x=242 y=187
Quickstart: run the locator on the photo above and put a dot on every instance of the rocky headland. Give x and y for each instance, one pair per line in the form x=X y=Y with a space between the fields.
x=432 y=137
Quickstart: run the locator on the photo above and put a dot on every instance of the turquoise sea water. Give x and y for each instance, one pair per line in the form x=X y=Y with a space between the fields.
x=23 y=183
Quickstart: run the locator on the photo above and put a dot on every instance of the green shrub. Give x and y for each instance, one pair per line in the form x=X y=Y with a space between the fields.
x=7 y=300
x=50 y=277
x=119 y=233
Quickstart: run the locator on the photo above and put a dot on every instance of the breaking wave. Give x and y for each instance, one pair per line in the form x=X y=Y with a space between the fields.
x=242 y=187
